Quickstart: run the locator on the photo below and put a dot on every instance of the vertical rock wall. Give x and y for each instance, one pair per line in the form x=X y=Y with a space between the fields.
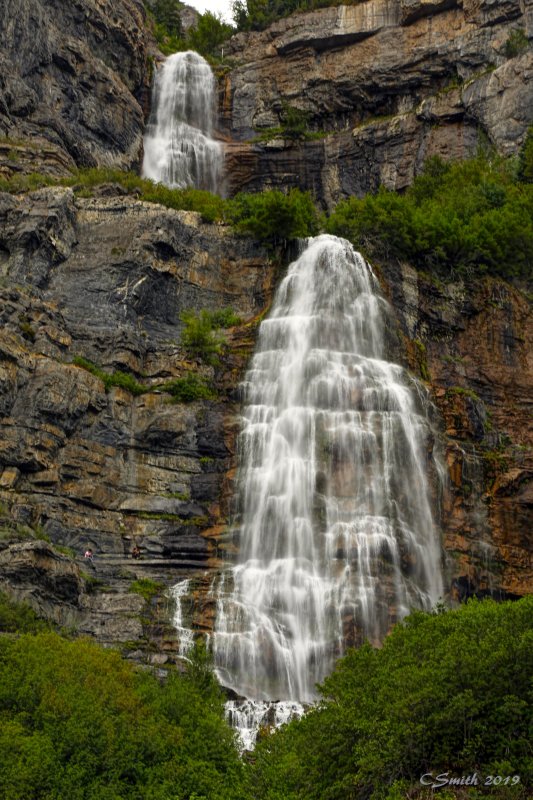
x=383 y=86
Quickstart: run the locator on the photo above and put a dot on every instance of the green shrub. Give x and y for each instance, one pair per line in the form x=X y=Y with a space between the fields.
x=79 y=722
x=167 y=13
x=122 y=379
x=19 y=617
x=273 y=216
x=516 y=44
x=146 y=588
x=126 y=381
x=189 y=388
x=462 y=218
x=200 y=338
x=224 y=318
x=209 y=34
x=295 y=121
x=448 y=691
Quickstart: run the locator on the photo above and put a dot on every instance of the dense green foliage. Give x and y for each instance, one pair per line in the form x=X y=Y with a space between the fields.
x=274 y=216
x=78 y=722
x=109 y=379
x=209 y=35
x=447 y=692
x=256 y=15
x=464 y=218
x=201 y=337
x=167 y=14
x=457 y=219
x=19 y=617
x=206 y=37
x=189 y=388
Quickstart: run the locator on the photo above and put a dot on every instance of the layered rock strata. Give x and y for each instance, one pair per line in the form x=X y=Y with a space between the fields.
x=106 y=279
x=384 y=84
x=74 y=80
x=472 y=343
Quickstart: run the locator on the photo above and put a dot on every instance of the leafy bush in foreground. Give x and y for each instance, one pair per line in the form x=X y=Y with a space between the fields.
x=447 y=692
x=78 y=722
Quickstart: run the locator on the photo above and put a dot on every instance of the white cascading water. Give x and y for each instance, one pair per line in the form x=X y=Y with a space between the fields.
x=178 y=149
x=336 y=534
x=185 y=634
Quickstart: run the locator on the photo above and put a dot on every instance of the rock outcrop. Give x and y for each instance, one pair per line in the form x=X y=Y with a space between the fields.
x=384 y=84
x=74 y=78
x=472 y=343
x=106 y=279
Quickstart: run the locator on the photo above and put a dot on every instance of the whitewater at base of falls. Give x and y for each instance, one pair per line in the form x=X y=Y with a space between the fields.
x=336 y=539
x=248 y=717
x=178 y=147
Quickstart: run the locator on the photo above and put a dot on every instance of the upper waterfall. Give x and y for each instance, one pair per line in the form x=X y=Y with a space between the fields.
x=336 y=534
x=178 y=148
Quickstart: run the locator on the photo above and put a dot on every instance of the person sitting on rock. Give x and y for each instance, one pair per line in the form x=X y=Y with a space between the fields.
x=88 y=556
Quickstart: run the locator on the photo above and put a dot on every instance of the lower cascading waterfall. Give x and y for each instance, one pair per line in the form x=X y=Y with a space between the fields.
x=336 y=537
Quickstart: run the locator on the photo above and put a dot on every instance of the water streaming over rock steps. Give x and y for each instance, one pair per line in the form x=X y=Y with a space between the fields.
x=336 y=536
x=178 y=147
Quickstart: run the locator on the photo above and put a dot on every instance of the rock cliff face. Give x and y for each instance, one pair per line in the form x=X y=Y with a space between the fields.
x=106 y=278
x=74 y=77
x=473 y=344
x=386 y=83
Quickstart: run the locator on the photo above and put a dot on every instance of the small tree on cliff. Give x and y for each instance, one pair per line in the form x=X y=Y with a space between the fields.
x=168 y=13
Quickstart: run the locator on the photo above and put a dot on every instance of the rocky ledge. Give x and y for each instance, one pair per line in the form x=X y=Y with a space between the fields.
x=472 y=344
x=383 y=85
x=105 y=279
x=74 y=84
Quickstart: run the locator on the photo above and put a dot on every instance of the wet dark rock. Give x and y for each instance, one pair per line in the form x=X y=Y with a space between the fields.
x=73 y=76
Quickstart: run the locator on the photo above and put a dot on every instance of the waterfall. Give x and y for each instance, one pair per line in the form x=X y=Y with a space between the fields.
x=336 y=538
x=178 y=148
x=185 y=634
